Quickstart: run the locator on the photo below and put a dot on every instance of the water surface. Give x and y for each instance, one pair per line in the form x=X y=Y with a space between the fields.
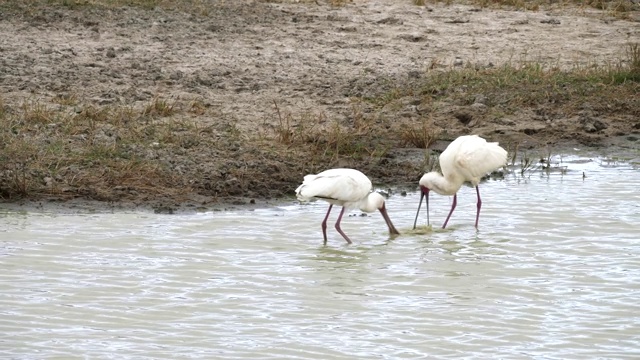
x=553 y=273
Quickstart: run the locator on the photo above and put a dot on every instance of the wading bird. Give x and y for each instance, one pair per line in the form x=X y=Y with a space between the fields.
x=467 y=158
x=348 y=188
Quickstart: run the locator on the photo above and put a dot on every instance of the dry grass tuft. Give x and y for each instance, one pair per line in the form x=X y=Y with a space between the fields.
x=329 y=140
x=160 y=107
x=66 y=99
x=36 y=113
x=88 y=152
x=633 y=57
x=422 y=135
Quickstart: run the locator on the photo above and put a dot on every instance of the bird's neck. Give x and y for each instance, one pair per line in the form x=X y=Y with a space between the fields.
x=444 y=185
x=367 y=204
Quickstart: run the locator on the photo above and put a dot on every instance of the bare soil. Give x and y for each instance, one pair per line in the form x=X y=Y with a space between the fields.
x=251 y=64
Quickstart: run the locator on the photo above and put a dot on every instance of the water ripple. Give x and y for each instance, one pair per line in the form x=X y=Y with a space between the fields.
x=553 y=273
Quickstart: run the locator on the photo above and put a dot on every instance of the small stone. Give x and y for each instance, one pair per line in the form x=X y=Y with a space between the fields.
x=591 y=124
x=551 y=21
x=480 y=99
x=414 y=74
x=479 y=106
x=412 y=37
x=457 y=21
x=390 y=21
x=164 y=209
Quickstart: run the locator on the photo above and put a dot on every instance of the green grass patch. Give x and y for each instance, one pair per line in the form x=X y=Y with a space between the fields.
x=510 y=87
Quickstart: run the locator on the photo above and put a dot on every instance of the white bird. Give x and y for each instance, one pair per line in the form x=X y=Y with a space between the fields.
x=348 y=188
x=467 y=158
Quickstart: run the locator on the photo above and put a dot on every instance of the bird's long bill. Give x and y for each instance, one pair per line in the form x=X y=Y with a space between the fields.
x=392 y=229
x=427 y=207
x=423 y=193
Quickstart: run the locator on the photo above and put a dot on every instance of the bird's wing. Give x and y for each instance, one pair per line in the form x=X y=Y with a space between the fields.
x=476 y=157
x=342 y=185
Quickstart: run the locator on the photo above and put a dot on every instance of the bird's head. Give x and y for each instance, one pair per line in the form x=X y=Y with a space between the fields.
x=375 y=201
x=429 y=181
x=434 y=181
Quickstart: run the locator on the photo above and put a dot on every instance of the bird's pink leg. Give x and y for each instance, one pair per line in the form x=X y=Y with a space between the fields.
x=479 y=205
x=453 y=206
x=324 y=224
x=338 y=226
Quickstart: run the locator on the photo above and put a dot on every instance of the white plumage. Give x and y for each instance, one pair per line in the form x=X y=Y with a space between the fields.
x=348 y=188
x=468 y=158
x=344 y=187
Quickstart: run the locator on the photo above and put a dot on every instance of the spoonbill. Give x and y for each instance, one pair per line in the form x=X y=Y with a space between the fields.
x=467 y=158
x=348 y=188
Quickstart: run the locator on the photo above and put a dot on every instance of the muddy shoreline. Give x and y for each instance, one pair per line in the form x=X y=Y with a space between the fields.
x=244 y=78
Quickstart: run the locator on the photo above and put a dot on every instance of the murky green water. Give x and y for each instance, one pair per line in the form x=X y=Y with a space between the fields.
x=553 y=273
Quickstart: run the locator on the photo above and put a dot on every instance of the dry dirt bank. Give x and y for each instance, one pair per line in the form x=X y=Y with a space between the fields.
x=249 y=77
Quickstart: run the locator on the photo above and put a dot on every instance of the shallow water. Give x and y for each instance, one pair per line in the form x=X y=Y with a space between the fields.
x=553 y=273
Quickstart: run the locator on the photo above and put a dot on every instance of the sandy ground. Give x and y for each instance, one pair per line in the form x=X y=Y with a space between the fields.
x=245 y=55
